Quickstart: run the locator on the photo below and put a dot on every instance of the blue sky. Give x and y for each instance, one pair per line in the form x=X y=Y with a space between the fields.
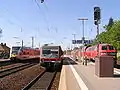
x=54 y=20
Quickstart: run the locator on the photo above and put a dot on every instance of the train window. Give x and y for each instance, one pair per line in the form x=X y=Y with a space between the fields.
x=104 y=47
x=111 y=48
x=14 y=52
x=54 y=52
x=15 y=48
x=46 y=51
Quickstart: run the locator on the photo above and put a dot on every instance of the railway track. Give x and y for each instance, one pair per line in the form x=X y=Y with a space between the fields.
x=4 y=63
x=9 y=71
x=41 y=82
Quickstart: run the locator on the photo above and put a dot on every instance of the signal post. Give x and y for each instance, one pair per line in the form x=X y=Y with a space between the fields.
x=97 y=18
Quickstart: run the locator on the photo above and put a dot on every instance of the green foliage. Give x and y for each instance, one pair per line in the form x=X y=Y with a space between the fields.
x=111 y=34
x=118 y=58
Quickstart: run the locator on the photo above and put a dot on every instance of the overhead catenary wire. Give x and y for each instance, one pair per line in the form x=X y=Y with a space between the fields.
x=45 y=6
x=44 y=16
x=12 y=15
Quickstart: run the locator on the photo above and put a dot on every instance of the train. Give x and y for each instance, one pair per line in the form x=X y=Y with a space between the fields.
x=22 y=53
x=50 y=55
x=91 y=52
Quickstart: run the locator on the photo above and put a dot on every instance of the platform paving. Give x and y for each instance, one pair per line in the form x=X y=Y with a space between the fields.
x=88 y=77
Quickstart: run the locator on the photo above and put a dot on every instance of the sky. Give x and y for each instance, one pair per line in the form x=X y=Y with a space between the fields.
x=53 y=21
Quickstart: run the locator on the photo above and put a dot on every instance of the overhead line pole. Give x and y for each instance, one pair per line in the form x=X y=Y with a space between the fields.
x=83 y=39
x=74 y=38
x=22 y=39
x=32 y=41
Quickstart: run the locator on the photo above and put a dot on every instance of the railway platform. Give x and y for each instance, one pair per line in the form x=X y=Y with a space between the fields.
x=4 y=60
x=75 y=76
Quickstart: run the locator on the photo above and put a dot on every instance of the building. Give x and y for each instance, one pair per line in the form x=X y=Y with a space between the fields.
x=4 y=51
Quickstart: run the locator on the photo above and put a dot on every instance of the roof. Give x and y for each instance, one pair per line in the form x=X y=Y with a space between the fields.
x=1 y=48
x=50 y=47
x=4 y=48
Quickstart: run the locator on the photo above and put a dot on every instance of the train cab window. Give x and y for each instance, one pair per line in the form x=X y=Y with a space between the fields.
x=111 y=48
x=104 y=47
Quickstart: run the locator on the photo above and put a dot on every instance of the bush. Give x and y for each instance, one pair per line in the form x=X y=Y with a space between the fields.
x=118 y=58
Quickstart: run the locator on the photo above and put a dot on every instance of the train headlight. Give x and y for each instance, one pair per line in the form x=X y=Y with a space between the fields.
x=13 y=55
x=103 y=53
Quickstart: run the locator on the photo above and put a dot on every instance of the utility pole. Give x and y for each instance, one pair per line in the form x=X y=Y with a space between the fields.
x=22 y=43
x=39 y=45
x=32 y=41
x=83 y=38
x=22 y=39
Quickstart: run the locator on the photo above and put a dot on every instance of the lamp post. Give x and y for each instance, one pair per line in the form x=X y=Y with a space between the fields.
x=83 y=38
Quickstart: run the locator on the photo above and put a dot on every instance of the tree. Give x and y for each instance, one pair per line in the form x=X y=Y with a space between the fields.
x=110 y=23
x=111 y=35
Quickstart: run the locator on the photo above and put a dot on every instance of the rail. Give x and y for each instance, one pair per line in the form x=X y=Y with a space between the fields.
x=9 y=71
x=42 y=81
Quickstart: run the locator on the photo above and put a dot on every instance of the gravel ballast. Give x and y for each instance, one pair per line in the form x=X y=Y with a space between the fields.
x=19 y=79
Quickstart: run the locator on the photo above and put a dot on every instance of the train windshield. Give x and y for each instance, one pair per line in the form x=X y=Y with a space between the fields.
x=50 y=53
x=108 y=47
x=46 y=51
x=111 y=48
x=54 y=52
x=15 y=50
x=104 y=47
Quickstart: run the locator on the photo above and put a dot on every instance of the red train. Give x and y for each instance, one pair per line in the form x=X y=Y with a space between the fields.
x=90 y=52
x=21 y=53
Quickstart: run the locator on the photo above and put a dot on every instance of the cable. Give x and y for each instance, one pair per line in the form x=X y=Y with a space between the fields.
x=46 y=6
x=42 y=14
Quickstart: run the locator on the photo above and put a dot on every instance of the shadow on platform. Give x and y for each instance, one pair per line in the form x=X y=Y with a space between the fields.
x=116 y=75
x=66 y=59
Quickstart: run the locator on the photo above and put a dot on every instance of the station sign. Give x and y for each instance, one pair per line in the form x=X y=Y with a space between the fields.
x=81 y=41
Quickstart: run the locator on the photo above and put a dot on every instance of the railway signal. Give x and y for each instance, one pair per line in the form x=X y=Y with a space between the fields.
x=42 y=1
x=97 y=15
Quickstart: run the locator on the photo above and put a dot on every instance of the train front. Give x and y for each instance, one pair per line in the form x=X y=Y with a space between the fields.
x=50 y=56
x=14 y=52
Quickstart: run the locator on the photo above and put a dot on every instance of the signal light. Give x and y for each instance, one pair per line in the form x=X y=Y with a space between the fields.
x=42 y=1
x=95 y=22
x=97 y=13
